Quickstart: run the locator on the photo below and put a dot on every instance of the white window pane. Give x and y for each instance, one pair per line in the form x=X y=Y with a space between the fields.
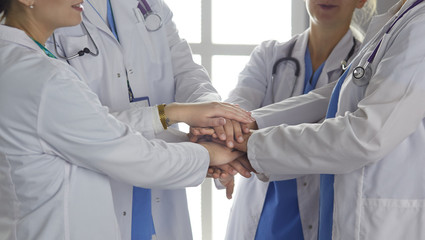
x=221 y=210
x=225 y=71
x=197 y=58
x=187 y=16
x=194 y=204
x=250 y=21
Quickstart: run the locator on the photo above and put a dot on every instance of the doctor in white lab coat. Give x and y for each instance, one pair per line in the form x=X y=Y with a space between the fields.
x=258 y=86
x=59 y=147
x=159 y=67
x=374 y=145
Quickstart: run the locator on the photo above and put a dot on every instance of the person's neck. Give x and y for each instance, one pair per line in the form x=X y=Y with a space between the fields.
x=31 y=28
x=322 y=41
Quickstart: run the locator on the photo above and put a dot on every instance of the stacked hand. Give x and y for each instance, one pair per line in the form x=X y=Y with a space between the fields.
x=235 y=136
x=213 y=114
x=212 y=120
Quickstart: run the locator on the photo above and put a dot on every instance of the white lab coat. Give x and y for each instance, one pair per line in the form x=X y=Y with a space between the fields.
x=58 y=144
x=158 y=65
x=375 y=145
x=256 y=89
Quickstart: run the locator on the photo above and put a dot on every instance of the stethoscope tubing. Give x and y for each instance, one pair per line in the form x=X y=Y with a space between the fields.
x=148 y=15
x=80 y=53
x=145 y=9
x=359 y=71
x=297 y=63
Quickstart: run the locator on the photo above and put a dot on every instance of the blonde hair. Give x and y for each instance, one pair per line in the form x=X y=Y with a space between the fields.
x=362 y=17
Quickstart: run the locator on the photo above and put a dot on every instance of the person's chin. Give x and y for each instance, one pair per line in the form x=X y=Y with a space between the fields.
x=74 y=21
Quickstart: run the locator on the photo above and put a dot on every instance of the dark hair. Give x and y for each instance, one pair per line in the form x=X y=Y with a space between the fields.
x=4 y=7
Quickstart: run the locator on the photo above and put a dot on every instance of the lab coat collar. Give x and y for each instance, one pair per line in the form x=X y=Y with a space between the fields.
x=338 y=54
x=18 y=36
x=94 y=18
x=380 y=20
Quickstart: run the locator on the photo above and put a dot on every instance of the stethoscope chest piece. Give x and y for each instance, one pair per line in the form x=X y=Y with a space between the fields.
x=153 y=22
x=361 y=75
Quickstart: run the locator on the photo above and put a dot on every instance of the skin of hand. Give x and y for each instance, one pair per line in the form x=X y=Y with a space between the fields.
x=225 y=173
x=240 y=165
x=229 y=183
x=243 y=146
x=219 y=154
x=227 y=180
x=205 y=114
x=230 y=132
x=224 y=133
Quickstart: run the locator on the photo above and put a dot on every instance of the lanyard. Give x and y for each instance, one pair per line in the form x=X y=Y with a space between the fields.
x=46 y=51
x=112 y=26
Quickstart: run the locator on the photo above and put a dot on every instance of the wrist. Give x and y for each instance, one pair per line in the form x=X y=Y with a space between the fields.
x=172 y=113
x=165 y=122
x=206 y=146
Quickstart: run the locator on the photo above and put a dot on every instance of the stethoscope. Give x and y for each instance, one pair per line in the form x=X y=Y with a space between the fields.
x=153 y=21
x=83 y=51
x=362 y=74
x=297 y=63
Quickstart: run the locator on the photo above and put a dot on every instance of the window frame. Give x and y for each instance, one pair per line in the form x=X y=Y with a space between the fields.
x=207 y=49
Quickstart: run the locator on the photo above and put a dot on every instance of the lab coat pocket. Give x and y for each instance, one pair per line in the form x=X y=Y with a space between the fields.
x=71 y=45
x=155 y=43
x=384 y=219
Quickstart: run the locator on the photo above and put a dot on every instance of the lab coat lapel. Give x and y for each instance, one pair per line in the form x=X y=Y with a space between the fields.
x=338 y=54
x=122 y=16
x=299 y=52
x=378 y=21
x=94 y=18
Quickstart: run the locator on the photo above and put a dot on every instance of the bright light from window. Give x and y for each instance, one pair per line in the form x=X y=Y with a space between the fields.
x=250 y=21
x=234 y=22
x=225 y=71
x=187 y=16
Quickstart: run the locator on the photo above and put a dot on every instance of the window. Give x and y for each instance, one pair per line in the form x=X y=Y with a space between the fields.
x=222 y=34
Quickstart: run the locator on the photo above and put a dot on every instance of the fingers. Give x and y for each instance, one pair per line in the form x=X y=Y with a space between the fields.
x=193 y=138
x=237 y=129
x=246 y=164
x=245 y=128
x=243 y=146
x=230 y=188
x=230 y=132
x=241 y=168
x=228 y=169
x=228 y=129
x=215 y=121
x=220 y=132
x=233 y=112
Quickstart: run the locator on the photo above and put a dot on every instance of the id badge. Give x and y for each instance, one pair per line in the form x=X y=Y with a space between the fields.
x=141 y=102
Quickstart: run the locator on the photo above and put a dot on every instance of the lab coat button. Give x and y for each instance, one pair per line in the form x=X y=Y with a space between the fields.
x=310 y=227
x=305 y=184
x=118 y=75
x=124 y=213
x=157 y=200
x=130 y=71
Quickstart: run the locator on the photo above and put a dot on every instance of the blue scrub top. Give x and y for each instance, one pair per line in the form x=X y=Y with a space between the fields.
x=280 y=218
